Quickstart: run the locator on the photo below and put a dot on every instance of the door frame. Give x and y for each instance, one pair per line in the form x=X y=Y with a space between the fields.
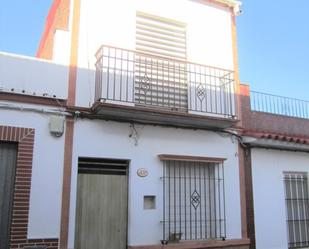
x=128 y=163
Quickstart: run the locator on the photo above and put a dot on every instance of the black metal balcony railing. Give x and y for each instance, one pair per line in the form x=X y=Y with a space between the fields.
x=274 y=104
x=134 y=78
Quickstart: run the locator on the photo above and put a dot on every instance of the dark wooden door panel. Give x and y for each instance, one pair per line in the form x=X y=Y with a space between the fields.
x=8 y=153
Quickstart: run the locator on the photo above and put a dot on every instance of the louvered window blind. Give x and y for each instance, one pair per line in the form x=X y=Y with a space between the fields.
x=160 y=62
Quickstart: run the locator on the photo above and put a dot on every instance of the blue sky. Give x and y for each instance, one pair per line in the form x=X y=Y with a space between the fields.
x=273 y=40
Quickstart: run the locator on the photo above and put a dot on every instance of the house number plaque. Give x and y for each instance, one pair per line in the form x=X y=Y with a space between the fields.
x=142 y=172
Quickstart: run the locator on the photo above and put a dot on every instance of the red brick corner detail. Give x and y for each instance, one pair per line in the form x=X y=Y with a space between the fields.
x=21 y=199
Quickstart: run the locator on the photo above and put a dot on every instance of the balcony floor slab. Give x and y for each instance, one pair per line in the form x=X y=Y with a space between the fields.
x=164 y=117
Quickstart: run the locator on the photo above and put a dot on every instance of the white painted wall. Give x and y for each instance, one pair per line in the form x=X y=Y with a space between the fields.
x=111 y=140
x=33 y=76
x=209 y=36
x=46 y=184
x=268 y=190
x=61 y=49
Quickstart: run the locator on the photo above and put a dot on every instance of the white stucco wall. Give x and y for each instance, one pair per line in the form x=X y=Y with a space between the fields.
x=111 y=140
x=269 y=198
x=47 y=167
x=61 y=49
x=209 y=35
x=34 y=76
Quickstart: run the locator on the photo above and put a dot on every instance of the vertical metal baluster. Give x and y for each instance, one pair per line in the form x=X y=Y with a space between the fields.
x=180 y=213
x=185 y=183
x=200 y=83
x=302 y=110
x=115 y=66
x=189 y=85
x=200 y=186
x=278 y=106
x=304 y=200
x=213 y=76
x=231 y=95
x=175 y=208
x=207 y=76
x=169 y=198
x=127 y=77
x=306 y=208
x=205 y=200
x=286 y=184
x=195 y=86
x=219 y=202
x=224 y=214
x=209 y=197
x=298 y=208
x=258 y=100
x=164 y=205
x=215 y=199
x=195 y=210
x=190 y=203
x=292 y=205
x=107 y=83
x=121 y=61
x=221 y=92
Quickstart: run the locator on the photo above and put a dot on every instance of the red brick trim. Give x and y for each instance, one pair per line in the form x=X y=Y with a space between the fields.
x=236 y=244
x=66 y=187
x=242 y=190
x=69 y=134
x=21 y=199
x=249 y=198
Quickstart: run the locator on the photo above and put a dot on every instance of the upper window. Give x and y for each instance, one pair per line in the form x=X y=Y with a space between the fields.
x=297 y=206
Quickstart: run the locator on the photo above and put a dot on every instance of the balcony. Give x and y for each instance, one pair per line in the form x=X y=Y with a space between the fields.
x=139 y=87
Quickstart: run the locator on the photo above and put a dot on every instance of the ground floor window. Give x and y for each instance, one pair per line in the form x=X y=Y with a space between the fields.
x=297 y=209
x=194 y=207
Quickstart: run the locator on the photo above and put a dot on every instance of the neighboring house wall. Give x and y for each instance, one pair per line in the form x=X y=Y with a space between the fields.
x=34 y=77
x=29 y=89
x=106 y=139
x=46 y=180
x=269 y=196
x=282 y=136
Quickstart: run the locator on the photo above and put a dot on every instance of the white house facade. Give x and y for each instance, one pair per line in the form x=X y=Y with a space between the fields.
x=131 y=130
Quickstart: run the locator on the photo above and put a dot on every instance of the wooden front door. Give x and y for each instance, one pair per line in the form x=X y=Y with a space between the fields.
x=8 y=153
x=101 y=211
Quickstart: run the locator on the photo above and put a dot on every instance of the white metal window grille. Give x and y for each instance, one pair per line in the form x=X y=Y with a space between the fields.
x=160 y=64
x=297 y=206
x=193 y=200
